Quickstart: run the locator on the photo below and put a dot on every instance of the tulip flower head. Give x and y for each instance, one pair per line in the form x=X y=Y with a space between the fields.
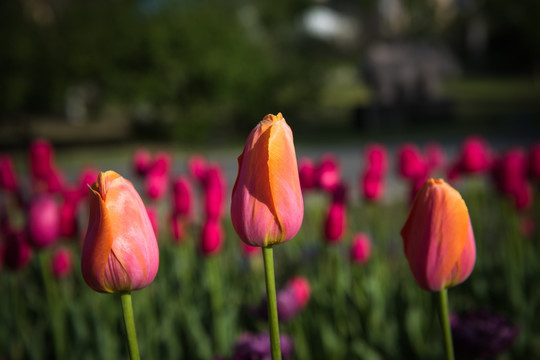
x=211 y=237
x=267 y=206
x=438 y=238
x=120 y=251
x=62 y=262
x=360 y=249
x=43 y=220
x=8 y=176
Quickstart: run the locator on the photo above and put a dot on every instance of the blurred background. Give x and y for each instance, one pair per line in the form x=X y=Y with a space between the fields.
x=204 y=72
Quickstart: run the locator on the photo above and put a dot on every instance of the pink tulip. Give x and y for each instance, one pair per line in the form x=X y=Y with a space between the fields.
x=474 y=156
x=372 y=185
x=43 y=220
x=211 y=237
x=301 y=290
x=375 y=158
x=267 y=207
x=8 y=176
x=162 y=164
x=55 y=180
x=307 y=172
x=410 y=161
x=182 y=197
x=41 y=159
x=510 y=170
x=142 y=161
x=335 y=223
x=178 y=228
x=438 y=238
x=62 y=262
x=214 y=189
x=120 y=251
x=197 y=167
x=328 y=172
x=156 y=185
x=360 y=249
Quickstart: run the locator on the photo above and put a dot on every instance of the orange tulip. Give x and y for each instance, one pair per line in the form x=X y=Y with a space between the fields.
x=438 y=237
x=267 y=206
x=120 y=251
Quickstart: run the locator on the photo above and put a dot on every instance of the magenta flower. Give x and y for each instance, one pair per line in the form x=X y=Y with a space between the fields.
x=214 y=192
x=142 y=162
x=360 y=249
x=376 y=159
x=211 y=237
x=182 y=197
x=62 y=262
x=43 y=220
x=336 y=218
x=328 y=172
x=410 y=161
x=474 y=156
x=197 y=167
x=307 y=172
x=8 y=176
x=372 y=185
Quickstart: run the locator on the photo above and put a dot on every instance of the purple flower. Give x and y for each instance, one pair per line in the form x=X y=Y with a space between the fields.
x=481 y=334
x=257 y=347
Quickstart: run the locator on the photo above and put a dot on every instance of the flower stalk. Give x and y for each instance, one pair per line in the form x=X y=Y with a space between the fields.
x=445 y=323
x=273 y=323
x=129 y=323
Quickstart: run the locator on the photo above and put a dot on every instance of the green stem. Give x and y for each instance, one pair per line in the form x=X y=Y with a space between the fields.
x=273 y=322
x=445 y=323
x=129 y=322
x=53 y=303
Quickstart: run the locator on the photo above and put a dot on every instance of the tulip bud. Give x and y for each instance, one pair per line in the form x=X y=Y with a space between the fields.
x=182 y=196
x=155 y=185
x=409 y=161
x=197 y=167
x=308 y=174
x=142 y=161
x=214 y=188
x=62 y=262
x=120 y=251
x=43 y=220
x=328 y=172
x=360 y=249
x=41 y=159
x=438 y=238
x=211 y=237
x=372 y=185
x=376 y=159
x=474 y=156
x=435 y=157
x=335 y=223
x=267 y=206
x=301 y=289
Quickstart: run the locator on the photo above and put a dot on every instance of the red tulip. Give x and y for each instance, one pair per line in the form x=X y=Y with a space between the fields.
x=43 y=220
x=41 y=159
x=62 y=262
x=267 y=206
x=68 y=219
x=438 y=237
x=120 y=251
x=211 y=237
x=360 y=249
